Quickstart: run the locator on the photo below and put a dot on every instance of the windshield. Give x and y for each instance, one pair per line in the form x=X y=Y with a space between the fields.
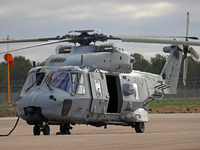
x=59 y=80
x=69 y=82
x=33 y=79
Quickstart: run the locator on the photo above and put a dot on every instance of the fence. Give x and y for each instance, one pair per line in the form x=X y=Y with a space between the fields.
x=191 y=90
x=184 y=93
x=15 y=90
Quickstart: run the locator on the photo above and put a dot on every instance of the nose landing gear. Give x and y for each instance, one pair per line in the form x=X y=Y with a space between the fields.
x=40 y=127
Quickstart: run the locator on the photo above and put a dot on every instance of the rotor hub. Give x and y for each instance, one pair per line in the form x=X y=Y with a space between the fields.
x=84 y=38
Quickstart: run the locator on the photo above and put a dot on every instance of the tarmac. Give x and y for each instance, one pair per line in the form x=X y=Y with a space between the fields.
x=164 y=131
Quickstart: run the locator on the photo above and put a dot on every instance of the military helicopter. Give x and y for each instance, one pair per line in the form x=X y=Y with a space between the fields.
x=95 y=84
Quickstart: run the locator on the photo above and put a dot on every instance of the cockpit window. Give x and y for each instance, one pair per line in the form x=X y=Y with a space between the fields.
x=60 y=80
x=33 y=79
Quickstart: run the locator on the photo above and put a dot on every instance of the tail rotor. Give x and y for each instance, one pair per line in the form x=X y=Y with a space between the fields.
x=186 y=50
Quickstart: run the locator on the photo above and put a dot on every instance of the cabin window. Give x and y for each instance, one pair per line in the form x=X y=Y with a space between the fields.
x=98 y=88
x=136 y=91
x=60 y=80
x=78 y=84
x=33 y=79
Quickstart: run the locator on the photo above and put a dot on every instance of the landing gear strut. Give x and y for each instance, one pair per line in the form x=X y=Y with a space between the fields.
x=39 y=127
x=64 y=129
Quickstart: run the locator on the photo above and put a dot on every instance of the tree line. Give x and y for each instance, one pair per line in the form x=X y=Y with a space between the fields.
x=156 y=64
x=19 y=72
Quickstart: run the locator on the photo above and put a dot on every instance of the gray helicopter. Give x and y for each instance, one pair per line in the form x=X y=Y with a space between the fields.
x=95 y=84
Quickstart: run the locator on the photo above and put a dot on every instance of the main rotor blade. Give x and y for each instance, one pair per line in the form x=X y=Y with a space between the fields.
x=157 y=36
x=36 y=45
x=30 y=40
x=150 y=40
x=185 y=66
x=193 y=53
x=81 y=31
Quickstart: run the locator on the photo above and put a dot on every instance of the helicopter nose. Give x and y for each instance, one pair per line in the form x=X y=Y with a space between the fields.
x=33 y=110
x=39 y=105
x=35 y=98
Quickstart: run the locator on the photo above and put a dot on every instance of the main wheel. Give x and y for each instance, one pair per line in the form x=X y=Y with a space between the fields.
x=36 y=130
x=139 y=127
x=64 y=129
x=46 y=129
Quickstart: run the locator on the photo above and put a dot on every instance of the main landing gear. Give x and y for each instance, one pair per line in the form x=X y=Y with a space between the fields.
x=64 y=129
x=139 y=127
x=44 y=128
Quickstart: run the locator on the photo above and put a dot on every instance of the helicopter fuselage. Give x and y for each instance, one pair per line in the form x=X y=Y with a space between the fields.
x=76 y=95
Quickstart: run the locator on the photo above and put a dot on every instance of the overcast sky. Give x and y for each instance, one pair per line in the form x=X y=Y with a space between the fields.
x=49 y=18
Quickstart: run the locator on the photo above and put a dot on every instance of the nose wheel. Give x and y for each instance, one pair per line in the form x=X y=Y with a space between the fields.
x=44 y=128
x=36 y=130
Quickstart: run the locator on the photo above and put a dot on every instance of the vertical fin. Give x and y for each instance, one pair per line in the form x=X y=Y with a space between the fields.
x=171 y=69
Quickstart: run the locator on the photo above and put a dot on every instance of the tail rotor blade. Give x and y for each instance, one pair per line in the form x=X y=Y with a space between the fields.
x=193 y=53
x=188 y=20
x=185 y=66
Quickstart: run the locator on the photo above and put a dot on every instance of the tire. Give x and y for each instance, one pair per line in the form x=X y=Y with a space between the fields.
x=139 y=127
x=46 y=129
x=36 y=130
x=64 y=129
